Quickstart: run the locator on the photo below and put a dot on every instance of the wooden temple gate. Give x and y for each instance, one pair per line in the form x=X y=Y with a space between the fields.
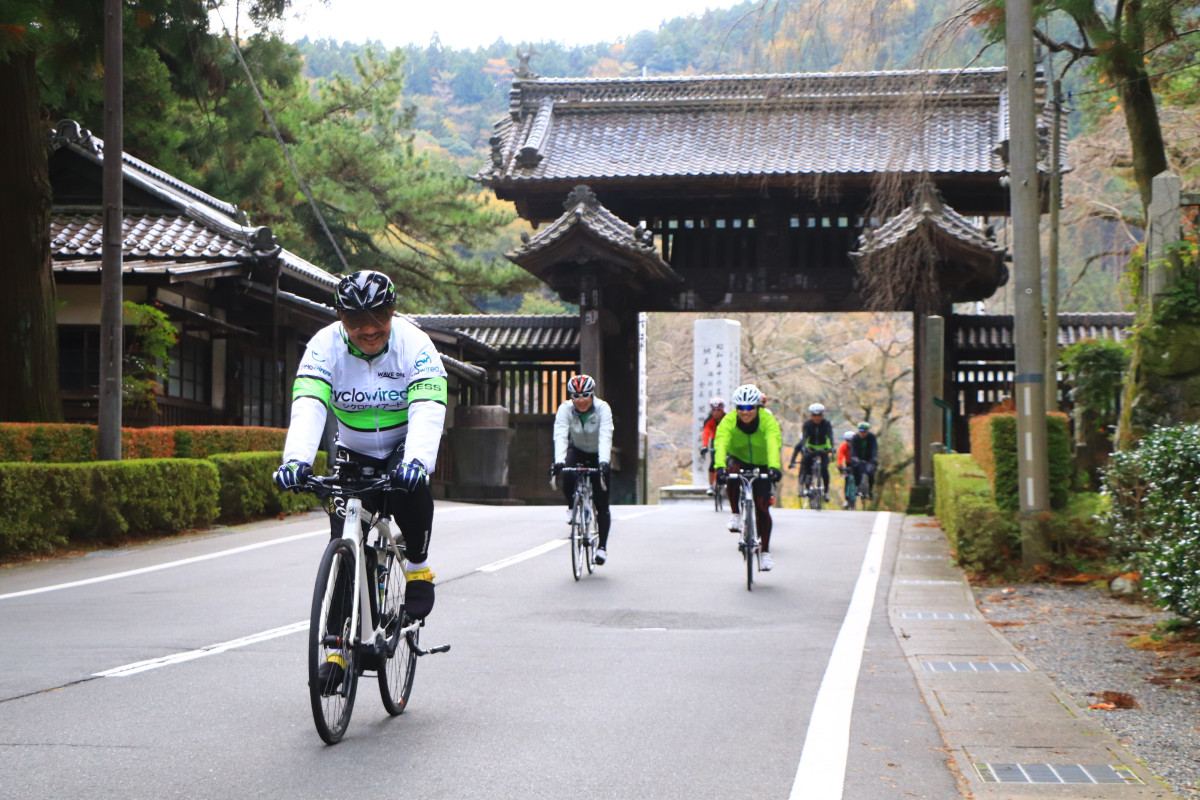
x=751 y=194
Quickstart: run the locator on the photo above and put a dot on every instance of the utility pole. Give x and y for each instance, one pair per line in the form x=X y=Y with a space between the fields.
x=1052 y=267
x=112 y=346
x=1032 y=471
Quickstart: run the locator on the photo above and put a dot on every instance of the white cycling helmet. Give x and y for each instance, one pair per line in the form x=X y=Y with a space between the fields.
x=747 y=395
x=816 y=408
x=848 y=435
x=717 y=402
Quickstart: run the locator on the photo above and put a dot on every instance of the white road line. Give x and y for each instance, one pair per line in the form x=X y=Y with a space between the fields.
x=821 y=774
x=519 y=557
x=623 y=517
x=168 y=565
x=212 y=649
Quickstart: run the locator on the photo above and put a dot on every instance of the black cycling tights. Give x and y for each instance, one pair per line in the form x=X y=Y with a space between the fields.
x=762 y=503
x=412 y=511
x=579 y=458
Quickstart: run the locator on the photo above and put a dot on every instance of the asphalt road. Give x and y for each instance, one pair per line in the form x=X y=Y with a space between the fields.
x=178 y=669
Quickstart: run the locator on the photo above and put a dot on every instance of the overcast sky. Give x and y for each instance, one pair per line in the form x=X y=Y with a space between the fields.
x=471 y=23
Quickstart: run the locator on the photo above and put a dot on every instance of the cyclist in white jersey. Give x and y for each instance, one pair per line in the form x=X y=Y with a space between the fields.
x=583 y=431
x=385 y=383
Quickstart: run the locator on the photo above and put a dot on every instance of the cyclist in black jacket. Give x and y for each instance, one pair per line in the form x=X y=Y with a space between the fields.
x=816 y=442
x=864 y=457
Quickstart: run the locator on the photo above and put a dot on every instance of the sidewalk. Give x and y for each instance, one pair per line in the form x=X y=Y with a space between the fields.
x=1010 y=730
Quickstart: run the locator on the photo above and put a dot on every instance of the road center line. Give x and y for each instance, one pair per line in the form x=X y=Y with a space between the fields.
x=212 y=649
x=519 y=557
x=168 y=565
x=821 y=774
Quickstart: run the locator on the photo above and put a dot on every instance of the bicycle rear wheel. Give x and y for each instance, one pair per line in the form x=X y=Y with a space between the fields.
x=328 y=634
x=578 y=556
x=399 y=660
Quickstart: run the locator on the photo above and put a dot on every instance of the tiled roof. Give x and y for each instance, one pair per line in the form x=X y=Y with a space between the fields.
x=204 y=228
x=751 y=125
x=533 y=334
x=158 y=236
x=583 y=210
x=927 y=209
x=991 y=335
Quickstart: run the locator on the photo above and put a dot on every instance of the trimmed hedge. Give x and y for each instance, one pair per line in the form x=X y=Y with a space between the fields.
x=48 y=505
x=994 y=448
x=984 y=538
x=201 y=441
x=248 y=488
x=72 y=444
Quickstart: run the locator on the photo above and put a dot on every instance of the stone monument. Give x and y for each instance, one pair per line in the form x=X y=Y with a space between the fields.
x=716 y=372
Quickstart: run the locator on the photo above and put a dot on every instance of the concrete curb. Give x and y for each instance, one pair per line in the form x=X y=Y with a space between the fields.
x=1011 y=731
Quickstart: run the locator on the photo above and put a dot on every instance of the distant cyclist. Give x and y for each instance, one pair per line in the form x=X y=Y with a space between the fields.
x=864 y=457
x=843 y=460
x=816 y=444
x=749 y=439
x=715 y=415
x=583 y=431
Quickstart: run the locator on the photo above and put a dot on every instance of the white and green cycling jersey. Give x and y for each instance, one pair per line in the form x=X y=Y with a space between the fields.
x=379 y=401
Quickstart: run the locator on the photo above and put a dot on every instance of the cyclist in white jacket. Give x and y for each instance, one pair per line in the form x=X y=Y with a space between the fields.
x=583 y=431
x=384 y=382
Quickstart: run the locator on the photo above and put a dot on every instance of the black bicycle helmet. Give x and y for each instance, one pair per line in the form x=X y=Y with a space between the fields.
x=365 y=290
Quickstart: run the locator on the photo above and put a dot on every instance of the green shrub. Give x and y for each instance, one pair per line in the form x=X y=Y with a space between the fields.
x=248 y=489
x=1155 y=494
x=73 y=444
x=983 y=537
x=50 y=505
x=202 y=441
x=1000 y=432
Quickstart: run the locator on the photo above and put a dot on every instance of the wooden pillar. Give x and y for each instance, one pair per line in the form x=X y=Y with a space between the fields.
x=932 y=386
x=919 y=446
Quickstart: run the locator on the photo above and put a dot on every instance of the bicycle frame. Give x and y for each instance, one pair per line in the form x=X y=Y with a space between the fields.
x=388 y=537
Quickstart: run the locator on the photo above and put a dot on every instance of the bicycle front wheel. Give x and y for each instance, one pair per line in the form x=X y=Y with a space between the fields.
x=399 y=660
x=749 y=536
x=815 y=498
x=578 y=543
x=329 y=635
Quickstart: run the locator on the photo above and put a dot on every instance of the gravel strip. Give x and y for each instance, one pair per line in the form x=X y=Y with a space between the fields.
x=1078 y=636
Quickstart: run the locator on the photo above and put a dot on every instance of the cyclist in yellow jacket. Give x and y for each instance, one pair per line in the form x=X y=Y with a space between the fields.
x=750 y=438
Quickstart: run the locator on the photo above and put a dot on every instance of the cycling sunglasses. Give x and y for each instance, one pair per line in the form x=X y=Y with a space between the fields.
x=577 y=395
x=746 y=408
x=355 y=321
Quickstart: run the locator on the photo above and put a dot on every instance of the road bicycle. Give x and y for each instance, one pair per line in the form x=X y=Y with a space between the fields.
x=584 y=533
x=850 y=493
x=811 y=494
x=358 y=605
x=717 y=491
x=749 y=546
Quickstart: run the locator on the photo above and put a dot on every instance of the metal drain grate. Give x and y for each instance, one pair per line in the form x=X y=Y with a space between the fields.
x=923 y=537
x=974 y=666
x=935 y=615
x=1057 y=773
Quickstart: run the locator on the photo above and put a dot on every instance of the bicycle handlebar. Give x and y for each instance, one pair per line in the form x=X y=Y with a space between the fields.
x=327 y=485
x=580 y=471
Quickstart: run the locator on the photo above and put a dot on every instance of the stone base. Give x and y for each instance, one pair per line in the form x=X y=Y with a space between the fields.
x=670 y=494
